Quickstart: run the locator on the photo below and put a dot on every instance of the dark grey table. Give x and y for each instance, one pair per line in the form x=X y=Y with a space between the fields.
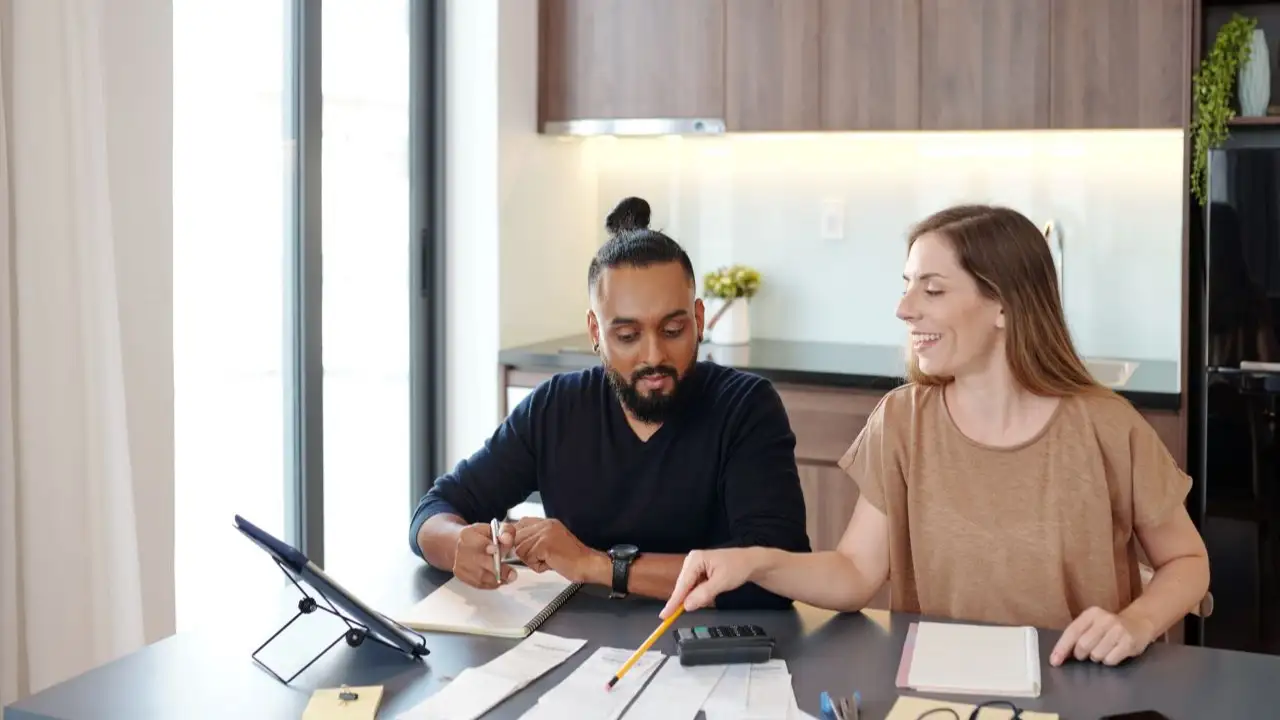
x=210 y=674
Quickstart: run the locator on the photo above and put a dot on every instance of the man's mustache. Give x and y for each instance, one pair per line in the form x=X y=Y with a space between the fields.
x=643 y=373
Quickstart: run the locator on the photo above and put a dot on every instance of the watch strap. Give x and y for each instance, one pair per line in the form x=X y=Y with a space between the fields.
x=621 y=574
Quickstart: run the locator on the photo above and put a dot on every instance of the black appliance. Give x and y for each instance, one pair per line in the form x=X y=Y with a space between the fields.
x=1236 y=495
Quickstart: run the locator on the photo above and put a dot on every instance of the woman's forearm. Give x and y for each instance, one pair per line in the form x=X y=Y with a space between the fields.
x=1175 y=589
x=824 y=579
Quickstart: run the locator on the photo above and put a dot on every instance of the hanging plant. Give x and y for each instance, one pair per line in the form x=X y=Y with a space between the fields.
x=1212 y=88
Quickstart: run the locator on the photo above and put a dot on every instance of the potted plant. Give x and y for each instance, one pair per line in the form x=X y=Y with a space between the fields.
x=1212 y=88
x=728 y=291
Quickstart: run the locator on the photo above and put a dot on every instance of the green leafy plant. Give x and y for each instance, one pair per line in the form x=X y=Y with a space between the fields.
x=1212 y=89
x=735 y=281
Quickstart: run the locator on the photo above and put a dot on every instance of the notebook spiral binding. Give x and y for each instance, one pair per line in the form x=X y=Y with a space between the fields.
x=551 y=607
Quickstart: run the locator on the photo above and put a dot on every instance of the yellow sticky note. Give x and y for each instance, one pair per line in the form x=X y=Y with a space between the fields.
x=910 y=708
x=327 y=704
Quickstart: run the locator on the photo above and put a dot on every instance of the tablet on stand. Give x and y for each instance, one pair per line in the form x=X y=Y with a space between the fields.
x=362 y=622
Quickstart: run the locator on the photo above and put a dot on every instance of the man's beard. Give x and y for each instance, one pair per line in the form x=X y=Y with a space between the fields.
x=655 y=408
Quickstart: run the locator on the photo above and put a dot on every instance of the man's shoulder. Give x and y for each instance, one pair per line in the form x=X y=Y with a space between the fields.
x=572 y=381
x=732 y=385
x=571 y=384
x=564 y=391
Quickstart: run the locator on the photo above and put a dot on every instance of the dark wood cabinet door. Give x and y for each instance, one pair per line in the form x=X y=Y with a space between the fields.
x=1168 y=425
x=984 y=64
x=829 y=499
x=870 y=65
x=772 y=65
x=1120 y=63
x=631 y=59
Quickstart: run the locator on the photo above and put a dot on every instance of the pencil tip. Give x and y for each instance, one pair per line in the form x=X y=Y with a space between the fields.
x=609 y=685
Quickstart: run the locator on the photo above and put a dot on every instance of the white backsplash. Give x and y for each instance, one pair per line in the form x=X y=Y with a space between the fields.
x=1116 y=197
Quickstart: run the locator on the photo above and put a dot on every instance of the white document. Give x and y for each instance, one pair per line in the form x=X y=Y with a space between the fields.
x=533 y=657
x=583 y=695
x=769 y=693
x=471 y=694
x=728 y=699
x=759 y=691
x=676 y=692
x=477 y=690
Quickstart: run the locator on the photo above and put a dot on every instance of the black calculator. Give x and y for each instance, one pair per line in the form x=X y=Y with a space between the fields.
x=723 y=644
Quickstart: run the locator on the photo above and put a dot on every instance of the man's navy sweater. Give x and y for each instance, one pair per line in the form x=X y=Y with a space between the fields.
x=720 y=473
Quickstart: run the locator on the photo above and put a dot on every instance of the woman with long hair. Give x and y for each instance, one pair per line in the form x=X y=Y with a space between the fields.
x=1002 y=483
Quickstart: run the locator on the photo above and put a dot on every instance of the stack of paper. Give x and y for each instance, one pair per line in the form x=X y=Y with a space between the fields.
x=971 y=659
x=583 y=695
x=476 y=690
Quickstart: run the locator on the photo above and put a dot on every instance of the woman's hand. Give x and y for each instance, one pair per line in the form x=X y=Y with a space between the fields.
x=1102 y=637
x=707 y=573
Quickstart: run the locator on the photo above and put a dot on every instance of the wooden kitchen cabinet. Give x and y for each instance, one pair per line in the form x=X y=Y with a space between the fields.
x=870 y=77
x=829 y=498
x=631 y=59
x=825 y=422
x=1168 y=425
x=984 y=64
x=1120 y=63
x=771 y=65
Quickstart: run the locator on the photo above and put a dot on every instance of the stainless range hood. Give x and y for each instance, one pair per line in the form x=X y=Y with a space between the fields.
x=635 y=127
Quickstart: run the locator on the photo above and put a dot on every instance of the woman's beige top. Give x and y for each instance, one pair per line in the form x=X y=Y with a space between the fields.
x=1026 y=535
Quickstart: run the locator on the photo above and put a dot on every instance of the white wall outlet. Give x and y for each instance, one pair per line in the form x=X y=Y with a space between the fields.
x=832 y=222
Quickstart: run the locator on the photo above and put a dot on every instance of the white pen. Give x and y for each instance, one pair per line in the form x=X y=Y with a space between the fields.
x=494 y=527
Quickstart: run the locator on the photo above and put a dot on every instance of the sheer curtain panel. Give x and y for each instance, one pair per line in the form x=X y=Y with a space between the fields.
x=86 y=336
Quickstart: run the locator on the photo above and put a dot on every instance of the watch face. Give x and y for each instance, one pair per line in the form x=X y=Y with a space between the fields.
x=623 y=552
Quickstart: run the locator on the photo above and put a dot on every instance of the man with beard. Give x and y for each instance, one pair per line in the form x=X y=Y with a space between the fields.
x=640 y=460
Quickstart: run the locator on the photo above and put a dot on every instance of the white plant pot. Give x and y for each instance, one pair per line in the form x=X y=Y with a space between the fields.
x=734 y=326
x=1255 y=78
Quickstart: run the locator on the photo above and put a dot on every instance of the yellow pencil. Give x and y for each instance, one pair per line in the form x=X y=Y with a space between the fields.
x=644 y=647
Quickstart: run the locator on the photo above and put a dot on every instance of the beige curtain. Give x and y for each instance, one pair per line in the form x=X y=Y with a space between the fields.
x=86 y=388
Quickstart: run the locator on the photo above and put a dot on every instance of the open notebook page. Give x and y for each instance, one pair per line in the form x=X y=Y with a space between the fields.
x=513 y=610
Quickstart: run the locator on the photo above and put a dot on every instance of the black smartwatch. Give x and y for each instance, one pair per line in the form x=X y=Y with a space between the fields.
x=622 y=556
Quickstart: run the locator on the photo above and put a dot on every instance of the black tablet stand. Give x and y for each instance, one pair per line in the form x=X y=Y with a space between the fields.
x=355 y=634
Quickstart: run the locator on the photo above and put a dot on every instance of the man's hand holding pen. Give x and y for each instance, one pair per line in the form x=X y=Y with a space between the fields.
x=475 y=552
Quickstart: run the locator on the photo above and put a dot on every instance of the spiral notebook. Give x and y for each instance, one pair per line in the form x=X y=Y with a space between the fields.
x=511 y=611
x=971 y=660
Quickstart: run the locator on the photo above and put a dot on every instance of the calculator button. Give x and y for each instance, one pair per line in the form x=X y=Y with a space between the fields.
x=701 y=632
x=715 y=632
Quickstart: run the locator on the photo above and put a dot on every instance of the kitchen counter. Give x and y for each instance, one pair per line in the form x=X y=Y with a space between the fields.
x=1153 y=385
